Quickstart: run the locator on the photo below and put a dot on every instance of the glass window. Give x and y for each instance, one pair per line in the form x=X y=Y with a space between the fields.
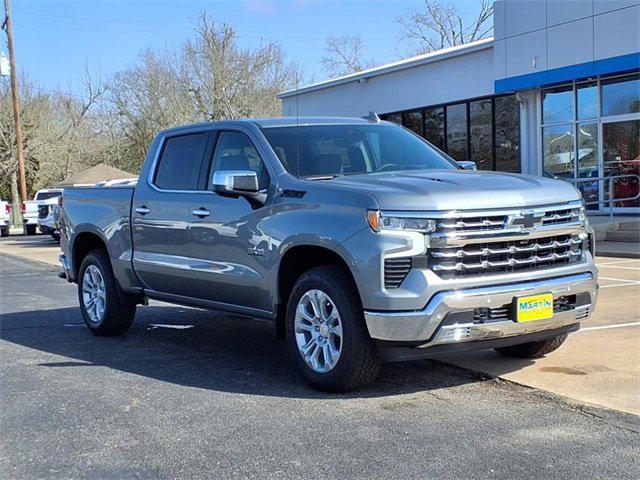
x=557 y=147
x=621 y=95
x=394 y=117
x=457 y=131
x=434 y=126
x=507 y=141
x=47 y=195
x=180 y=162
x=353 y=149
x=234 y=151
x=413 y=121
x=621 y=155
x=587 y=100
x=557 y=105
x=587 y=138
x=481 y=134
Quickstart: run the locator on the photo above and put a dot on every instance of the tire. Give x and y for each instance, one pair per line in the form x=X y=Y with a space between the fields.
x=4 y=232
x=30 y=229
x=533 y=349
x=55 y=236
x=116 y=317
x=356 y=363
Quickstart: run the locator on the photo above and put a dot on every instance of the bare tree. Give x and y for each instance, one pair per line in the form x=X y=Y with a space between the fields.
x=209 y=77
x=439 y=25
x=344 y=55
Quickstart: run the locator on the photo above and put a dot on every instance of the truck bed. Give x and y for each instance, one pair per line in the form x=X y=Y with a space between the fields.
x=106 y=212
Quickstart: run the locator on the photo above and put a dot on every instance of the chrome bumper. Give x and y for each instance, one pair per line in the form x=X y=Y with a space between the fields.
x=66 y=268
x=426 y=324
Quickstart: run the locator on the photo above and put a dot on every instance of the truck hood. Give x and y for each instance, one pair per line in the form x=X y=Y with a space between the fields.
x=458 y=189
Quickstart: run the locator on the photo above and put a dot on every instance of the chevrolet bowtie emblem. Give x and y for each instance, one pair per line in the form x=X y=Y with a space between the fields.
x=525 y=220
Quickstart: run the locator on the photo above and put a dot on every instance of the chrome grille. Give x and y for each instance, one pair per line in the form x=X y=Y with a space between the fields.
x=469 y=221
x=503 y=257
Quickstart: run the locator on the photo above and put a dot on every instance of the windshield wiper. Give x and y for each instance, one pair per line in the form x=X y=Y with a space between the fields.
x=328 y=176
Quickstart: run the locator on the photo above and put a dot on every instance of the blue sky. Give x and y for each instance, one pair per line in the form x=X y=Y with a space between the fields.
x=54 y=39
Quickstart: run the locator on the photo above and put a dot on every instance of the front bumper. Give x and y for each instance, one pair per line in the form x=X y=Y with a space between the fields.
x=448 y=318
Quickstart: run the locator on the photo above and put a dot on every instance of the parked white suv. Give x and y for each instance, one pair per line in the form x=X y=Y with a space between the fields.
x=5 y=218
x=30 y=211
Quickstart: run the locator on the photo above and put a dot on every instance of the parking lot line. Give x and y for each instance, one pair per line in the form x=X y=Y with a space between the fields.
x=620 y=285
x=604 y=327
x=619 y=267
x=616 y=279
x=629 y=260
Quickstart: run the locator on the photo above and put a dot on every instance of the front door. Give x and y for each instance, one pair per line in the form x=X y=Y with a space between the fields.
x=225 y=237
x=621 y=159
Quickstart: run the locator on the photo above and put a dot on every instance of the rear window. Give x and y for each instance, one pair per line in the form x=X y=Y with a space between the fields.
x=179 y=165
x=47 y=195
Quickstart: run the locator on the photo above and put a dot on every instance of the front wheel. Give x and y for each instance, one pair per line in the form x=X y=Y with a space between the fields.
x=533 y=349
x=326 y=332
x=102 y=310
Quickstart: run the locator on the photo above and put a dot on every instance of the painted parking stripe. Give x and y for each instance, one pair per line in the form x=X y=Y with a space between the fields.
x=618 y=262
x=620 y=285
x=604 y=327
x=616 y=279
x=619 y=267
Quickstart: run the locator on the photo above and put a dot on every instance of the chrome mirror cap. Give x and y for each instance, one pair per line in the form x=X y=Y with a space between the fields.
x=235 y=182
x=467 y=165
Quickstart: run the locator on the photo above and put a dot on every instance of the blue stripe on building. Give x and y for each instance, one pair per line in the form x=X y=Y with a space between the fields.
x=623 y=63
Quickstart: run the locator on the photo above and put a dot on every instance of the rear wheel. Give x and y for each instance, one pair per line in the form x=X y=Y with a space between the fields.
x=326 y=333
x=30 y=229
x=533 y=349
x=102 y=310
x=4 y=232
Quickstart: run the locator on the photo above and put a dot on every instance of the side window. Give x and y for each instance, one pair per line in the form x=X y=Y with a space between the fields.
x=234 y=151
x=179 y=165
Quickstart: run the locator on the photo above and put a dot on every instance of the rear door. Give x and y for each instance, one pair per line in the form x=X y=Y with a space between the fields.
x=160 y=213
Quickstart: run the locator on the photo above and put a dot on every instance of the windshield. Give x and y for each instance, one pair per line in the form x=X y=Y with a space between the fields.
x=329 y=150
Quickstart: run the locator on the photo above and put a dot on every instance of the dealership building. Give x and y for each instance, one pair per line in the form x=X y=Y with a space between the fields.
x=556 y=92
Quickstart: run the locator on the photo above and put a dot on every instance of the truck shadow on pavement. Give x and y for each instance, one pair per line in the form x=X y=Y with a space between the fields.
x=202 y=349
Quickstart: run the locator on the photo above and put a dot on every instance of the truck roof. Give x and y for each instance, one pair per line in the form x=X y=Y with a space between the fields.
x=278 y=122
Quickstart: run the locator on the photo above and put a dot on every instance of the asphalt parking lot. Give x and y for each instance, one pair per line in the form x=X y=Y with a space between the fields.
x=189 y=394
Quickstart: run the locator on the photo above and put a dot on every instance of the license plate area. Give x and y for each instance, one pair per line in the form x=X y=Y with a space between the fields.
x=533 y=307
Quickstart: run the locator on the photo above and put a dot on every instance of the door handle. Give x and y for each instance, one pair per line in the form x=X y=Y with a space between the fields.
x=201 y=212
x=143 y=210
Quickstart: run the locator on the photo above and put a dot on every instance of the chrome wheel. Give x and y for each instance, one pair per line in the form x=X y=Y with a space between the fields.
x=93 y=293
x=318 y=330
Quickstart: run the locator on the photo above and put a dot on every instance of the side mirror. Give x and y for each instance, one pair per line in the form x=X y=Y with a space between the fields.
x=236 y=183
x=467 y=165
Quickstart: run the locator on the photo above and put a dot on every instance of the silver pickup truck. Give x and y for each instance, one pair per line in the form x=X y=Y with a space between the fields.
x=360 y=240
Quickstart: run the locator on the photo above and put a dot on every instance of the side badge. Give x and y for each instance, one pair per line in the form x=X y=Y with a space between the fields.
x=255 y=251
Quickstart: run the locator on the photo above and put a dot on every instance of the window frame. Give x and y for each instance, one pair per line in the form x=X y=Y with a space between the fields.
x=153 y=170
x=445 y=126
x=208 y=164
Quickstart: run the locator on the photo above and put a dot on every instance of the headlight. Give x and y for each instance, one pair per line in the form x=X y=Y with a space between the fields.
x=378 y=221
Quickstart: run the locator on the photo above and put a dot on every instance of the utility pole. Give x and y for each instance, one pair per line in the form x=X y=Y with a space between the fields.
x=6 y=25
